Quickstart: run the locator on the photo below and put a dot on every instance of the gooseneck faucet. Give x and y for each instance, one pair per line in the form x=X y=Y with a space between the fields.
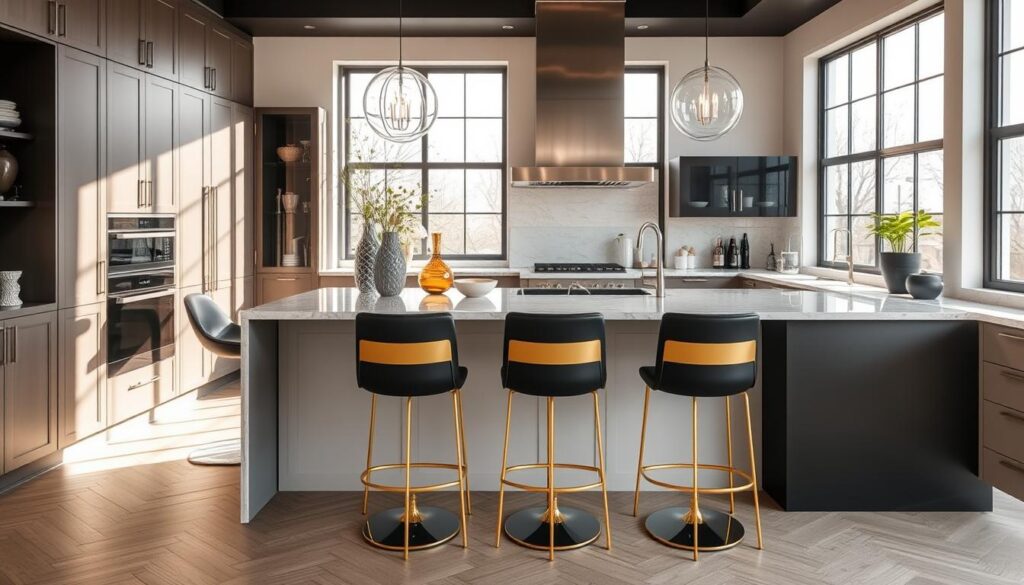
x=660 y=290
x=849 y=255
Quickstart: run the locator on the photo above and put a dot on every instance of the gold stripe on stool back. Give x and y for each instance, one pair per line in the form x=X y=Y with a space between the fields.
x=710 y=354
x=554 y=354
x=405 y=354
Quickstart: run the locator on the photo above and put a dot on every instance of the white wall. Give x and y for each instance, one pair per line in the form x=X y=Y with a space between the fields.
x=560 y=224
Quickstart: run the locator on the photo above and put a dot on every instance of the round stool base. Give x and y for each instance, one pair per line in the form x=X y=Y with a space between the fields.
x=530 y=528
x=386 y=529
x=719 y=530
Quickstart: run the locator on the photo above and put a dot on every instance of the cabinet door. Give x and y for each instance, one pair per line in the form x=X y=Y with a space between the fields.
x=243 y=296
x=161 y=109
x=82 y=24
x=125 y=42
x=126 y=176
x=220 y=366
x=81 y=167
x=161 y=26
x=221 y=180
x=193 y=162
x=271 y=288
x=194 y=365
x=192 y=26
x=30 y=389
x=219 y=45
x=82 y=393
x=241 y=72
x=34 y=16
x=242 y=139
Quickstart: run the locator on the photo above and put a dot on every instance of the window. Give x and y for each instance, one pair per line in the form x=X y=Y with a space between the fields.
x=880 y=138
x=643 y=106
x=1005 y=146
x=460 y=163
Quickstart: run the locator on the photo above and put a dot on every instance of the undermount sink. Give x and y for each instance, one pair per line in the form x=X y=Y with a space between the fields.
x=584 y=292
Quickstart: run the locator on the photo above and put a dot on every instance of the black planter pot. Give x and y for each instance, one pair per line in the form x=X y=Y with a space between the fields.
x=924 y=286
x=896 y=267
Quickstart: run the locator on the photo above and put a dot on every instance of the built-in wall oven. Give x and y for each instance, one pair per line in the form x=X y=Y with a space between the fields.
x=140 y=305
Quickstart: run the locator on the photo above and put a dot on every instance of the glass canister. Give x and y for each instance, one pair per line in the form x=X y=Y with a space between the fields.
x=436 y=277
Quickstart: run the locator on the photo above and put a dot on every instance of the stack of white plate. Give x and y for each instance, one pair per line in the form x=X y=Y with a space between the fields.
x=9 y=116
x=290 y=260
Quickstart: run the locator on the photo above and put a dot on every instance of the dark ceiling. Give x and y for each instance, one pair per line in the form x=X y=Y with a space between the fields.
x=488 y=17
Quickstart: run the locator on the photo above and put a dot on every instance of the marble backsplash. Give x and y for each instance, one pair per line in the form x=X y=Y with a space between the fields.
x=579 y=225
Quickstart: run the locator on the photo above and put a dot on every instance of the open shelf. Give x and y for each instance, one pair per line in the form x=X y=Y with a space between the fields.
x=11 y=134
x=17 y=203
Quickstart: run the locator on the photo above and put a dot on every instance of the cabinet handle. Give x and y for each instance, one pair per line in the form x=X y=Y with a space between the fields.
x=142 y=51
x=206 y=237
x=213 y=79
x=149 y=190
x=206 y=78
x=138 y=194
x=51 y=17
x=1012 y=416
x=1012 y=376
x=101 y=277
x=1011 y=465
x=145 y=383
x=3 y=346
x=12 y=345
x=695 y=280
x=149 y=54
x=62 y=20
x=286 y=279
x=1011 y=337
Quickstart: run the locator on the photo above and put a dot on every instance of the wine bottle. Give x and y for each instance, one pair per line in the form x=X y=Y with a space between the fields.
x=745 y=253
x=718 y=256
x=732 y=256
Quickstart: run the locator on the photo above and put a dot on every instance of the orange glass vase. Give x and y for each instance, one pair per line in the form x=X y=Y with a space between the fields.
x=436 y=277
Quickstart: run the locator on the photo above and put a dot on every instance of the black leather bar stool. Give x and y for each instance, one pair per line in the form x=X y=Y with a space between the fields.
x=553 y=356
x=411 y=356
x=223 y=338
x=702 y=356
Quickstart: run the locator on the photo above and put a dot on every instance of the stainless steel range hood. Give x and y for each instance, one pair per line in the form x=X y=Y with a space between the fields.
x=581 y=57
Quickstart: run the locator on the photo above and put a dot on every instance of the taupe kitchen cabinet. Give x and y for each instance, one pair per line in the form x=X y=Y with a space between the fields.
x=193 y=181
x=219 y=47
x=243 y=294
x=241 y=71
x=81 y=167
x=161 y=158
x=126 y=148
x=193 y=24
x=270 y=287
x=82 y=388
x=144 y=34
x=29 y=374
x=135 y=392
x=225 y=299
x=1002 y=408
x=197 y=366
x=244 y=254
x=221 y=194
x=79 y=23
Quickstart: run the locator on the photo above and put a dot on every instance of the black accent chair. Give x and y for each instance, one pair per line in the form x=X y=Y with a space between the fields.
x=553 y=356
x=223 y=338
x=702 y=356
x=412 y=356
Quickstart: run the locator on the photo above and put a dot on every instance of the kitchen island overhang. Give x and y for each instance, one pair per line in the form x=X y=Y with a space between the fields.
x=866 y=402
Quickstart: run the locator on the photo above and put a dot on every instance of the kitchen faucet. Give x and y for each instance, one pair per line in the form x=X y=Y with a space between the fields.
x=659 y=257
x=849 y=252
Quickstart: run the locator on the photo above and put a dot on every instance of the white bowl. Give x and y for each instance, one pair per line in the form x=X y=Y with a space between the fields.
x=698 y=204
x=475 y=287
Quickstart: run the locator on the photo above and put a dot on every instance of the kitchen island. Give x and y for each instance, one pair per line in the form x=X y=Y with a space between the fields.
x=864 y=402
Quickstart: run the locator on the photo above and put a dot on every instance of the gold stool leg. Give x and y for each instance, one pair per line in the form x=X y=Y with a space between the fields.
x=600 y=467
x=728 y=442
x=369 y=451
x=753 y=471
x=640 y=459
x=460 y=457
x=408 y=473
x=504 y=463
x=551 y=478
x=465 y=458
x=695 y=508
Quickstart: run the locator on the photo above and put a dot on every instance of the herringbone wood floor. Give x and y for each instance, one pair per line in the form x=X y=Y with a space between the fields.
x=160 y=521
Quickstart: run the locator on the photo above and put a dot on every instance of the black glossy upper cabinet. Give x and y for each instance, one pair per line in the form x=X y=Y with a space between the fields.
x=744 y=186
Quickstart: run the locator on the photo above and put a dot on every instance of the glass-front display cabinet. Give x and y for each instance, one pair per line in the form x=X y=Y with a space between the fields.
x=744 y=186
x=290 y=188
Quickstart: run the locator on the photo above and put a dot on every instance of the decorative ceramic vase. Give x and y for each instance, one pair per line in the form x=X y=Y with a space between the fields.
x=389 y=267
x=436 y=277
x=10 y=290
x=289 y=153
x=896 y=267
x=366 y=256
x=8 y=170
x=924 y=286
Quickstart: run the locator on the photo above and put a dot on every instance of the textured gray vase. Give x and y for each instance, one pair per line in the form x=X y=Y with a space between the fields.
x=366 y=256
x=389 y=268
x=896 y=267
x=10 y=290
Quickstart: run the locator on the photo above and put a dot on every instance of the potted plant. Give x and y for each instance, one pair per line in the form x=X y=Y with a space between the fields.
x=900 y=231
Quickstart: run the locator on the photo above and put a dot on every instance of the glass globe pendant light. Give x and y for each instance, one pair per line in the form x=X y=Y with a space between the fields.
x=707 y=102
x=400 y=104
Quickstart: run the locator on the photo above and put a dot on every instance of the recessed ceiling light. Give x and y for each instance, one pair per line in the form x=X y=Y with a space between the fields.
x=507 y=27
x=309 y=27
x=643 y=27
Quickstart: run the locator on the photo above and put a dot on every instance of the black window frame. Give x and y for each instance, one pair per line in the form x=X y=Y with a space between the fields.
x=994 y=134
x=424 y=165
x=880 y=153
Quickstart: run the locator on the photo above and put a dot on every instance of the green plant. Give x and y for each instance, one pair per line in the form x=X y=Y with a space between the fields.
x=898 y=230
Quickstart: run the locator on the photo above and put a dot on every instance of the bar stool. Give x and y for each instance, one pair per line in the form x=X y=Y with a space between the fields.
x=553 y=356
x=411 y=356
x=702 y=356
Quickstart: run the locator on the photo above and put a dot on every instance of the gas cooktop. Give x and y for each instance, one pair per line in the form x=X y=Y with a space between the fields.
x=579 y=268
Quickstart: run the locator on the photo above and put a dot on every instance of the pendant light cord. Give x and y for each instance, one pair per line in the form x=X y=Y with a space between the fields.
x=400 y=34
x=707 y=30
